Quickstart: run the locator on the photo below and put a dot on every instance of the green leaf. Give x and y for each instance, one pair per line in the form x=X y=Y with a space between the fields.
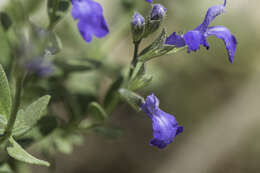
x=5 y=21
x=5 y=96
x=132 y=98
x=5 y=168
x=158 y=48
x=61 y=7
x=97 y=112
x=18 y=153
x=112 y=96
x=109 y=132
x=3 y=123
x=140 y=82
x=28 y=118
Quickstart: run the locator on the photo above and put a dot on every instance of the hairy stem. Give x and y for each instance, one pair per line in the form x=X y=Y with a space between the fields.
x=135 y=58
x=53 y=14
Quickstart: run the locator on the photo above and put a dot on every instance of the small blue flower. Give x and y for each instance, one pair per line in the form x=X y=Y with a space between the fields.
x=194 y=38
x=40 y=67
x=165 y=126
x=91 y=19
x=158 y=12
x=150 y=1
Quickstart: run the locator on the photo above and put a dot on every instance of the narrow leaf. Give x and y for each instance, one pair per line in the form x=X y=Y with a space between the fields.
x=5 y=168
x=5 y=21
x=112 y=96
x=132 y=98
x=18 y=153
x=97 y=112
x=28 y=118
x=5 y=96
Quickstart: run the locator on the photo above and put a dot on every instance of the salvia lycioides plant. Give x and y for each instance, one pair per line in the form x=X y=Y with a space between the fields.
x=41 y=100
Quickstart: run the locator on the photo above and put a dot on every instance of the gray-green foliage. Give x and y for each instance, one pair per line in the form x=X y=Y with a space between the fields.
x=5 y=96
x=26 y=119
x=17 y=152
x=25 y=122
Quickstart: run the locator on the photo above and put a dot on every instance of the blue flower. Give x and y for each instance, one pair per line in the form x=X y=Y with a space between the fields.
x=150 y=1
x=165 y=126
x=40 y=67
x=198 y=36
x=91 y=19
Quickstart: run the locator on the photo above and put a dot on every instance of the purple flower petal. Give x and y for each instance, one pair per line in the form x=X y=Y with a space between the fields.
x=165 y=126
x=193 y=40
x=230 y=41
x=175 y=39
x=150 y=1
x=91 y=19
x=212 y=13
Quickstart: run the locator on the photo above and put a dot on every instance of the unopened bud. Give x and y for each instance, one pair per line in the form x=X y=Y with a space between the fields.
x=138 y=26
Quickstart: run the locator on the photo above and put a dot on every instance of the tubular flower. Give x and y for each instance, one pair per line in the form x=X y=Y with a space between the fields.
x=90 y=19
x=165 y=126
x=198 y=36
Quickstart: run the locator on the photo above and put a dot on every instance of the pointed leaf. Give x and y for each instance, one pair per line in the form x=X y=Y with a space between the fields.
x=112 y=96
x=158 y=48
x=97 y=112
x=132 y=98
x=140 y=82
x=5 y=21
x=28 y=118
x=18 y=153
x=5 y=168
x=5 y=96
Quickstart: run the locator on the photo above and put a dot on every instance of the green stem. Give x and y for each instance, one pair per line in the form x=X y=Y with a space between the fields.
x=135 y=58
x=53 y=15
x=15 y=108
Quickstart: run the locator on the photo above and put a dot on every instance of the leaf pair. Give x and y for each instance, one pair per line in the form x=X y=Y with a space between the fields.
x=25 y=120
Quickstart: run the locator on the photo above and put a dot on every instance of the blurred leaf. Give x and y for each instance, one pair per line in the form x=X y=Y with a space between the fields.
x=77 y=65
x=63 y=145
x=112 y=96
x=18 y=153
x=158 y=48
x=97 y=112
x=5 y=96
x=5 y=168
x=28 y=118
x=132 y=98
x=109 y=132
x=57 y=9
x=83 y=82
x=5 y=21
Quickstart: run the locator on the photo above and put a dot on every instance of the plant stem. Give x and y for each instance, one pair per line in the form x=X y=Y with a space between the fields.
x=15 y=108
x=135 y=58
x=53 y=15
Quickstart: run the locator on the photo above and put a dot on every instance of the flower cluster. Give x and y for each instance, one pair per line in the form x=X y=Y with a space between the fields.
x=198 y=36
x=92 y=22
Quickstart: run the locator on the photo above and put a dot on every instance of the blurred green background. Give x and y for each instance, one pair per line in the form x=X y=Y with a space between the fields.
x=216 y=102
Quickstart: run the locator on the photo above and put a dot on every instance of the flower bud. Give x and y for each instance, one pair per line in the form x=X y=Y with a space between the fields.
x=138 y=26
x=155 y=19
x=158 y=12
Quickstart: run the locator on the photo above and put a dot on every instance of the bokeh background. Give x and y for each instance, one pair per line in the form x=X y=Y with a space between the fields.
x=217 y=102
